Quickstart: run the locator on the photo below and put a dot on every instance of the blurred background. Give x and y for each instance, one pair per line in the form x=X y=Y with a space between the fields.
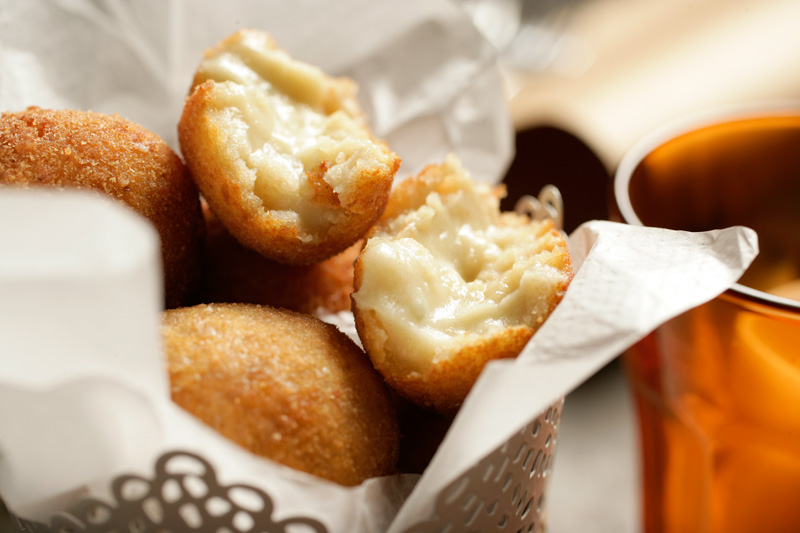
x=588 y=78
x=585 y=80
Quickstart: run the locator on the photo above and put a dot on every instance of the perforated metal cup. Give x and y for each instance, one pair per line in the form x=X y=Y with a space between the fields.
x=505 y=491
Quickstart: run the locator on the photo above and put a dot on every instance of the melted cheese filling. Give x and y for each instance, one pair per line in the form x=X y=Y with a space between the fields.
x=456 y=267
x=273 y=110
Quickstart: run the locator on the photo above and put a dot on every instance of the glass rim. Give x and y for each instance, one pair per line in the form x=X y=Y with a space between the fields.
x=717 y=116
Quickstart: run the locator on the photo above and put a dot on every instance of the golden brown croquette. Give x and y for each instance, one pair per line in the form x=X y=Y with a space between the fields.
x=112 y=155
x=283 y=385
x=446 y=283
x=282 y=152
x=233 y=273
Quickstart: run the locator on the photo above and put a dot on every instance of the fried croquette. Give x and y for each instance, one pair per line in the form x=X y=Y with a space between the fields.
x=446 y=283
x=282 y=152
x=285 y=386
x=107 y=153
x=233 y=273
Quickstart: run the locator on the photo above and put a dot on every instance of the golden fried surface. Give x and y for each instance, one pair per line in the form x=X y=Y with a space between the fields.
x=112 y=155
x=447 y=283
x=283 y=385
x=233 y=273
x=281 y=151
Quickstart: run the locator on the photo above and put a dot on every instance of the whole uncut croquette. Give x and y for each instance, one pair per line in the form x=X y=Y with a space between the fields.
x=283 y=385
x=112 y=155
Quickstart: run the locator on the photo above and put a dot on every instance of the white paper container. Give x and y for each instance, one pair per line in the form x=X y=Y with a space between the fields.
x=89 y=429
x=77 y=427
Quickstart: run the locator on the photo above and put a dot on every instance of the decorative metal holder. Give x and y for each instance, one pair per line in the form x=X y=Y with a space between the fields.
x=548 y=204
x=505 y=491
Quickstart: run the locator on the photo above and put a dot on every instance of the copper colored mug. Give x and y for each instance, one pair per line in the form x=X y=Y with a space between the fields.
x=717 y=389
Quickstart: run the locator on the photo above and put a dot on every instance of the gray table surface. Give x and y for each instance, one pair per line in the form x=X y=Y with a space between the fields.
x=595 y=483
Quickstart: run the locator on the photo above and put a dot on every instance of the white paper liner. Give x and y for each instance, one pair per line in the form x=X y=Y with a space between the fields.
x=630 y=280
x=428 y=81
x=72 y=421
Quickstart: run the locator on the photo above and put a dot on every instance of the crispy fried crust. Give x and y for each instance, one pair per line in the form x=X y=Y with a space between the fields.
x=283 y=385
x=233 y=273
x=446 y=383
x=410 y=193
x=450 y=367
x=212 y=144
x=107 y=153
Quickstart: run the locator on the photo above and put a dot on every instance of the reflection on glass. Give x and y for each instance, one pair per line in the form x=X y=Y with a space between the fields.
x=718 y=388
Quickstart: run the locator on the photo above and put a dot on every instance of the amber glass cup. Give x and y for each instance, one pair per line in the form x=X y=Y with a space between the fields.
x=717 y=389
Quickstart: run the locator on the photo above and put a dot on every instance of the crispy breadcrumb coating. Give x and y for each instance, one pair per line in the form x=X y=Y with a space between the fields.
x=282 y=152
x=447 y=282
x=107 y=153
x=283 y=385
x=233 y=273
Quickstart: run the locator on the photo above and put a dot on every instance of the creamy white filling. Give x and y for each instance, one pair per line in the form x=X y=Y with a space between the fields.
x=451 y=268
x=273 y=107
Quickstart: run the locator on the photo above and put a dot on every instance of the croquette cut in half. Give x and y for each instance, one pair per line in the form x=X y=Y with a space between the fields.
x=283 y=385
x=282 y=151
x=114 y=156
x=446 y=283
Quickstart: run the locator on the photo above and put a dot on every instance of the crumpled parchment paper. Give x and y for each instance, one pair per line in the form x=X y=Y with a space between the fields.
x=83 y=394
